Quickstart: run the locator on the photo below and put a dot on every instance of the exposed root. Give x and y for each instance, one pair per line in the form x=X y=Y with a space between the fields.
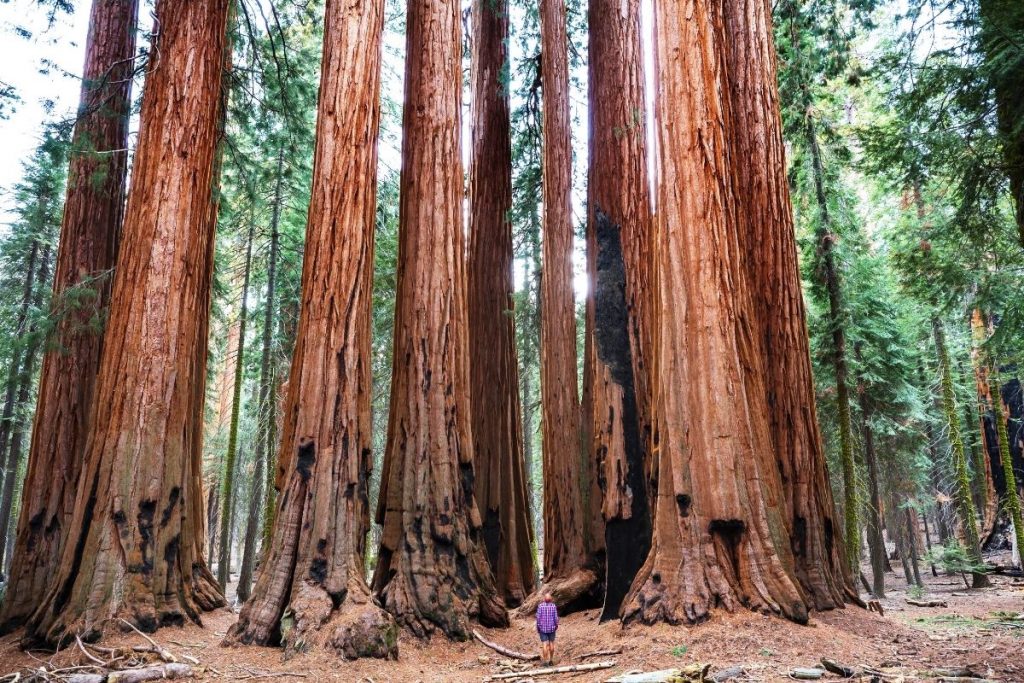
x=566 y=592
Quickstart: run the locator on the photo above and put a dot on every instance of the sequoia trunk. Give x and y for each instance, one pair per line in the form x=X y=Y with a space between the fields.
x=565 y=520
x=314 y=565
x=494 y=378
x=719 y=535
x=133 y=551
x=767 y=233
x=432 y=570
x=85 y=257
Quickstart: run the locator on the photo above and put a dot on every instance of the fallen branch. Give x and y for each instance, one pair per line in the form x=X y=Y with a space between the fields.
x=838 y=669
x=153 y=647
x=601 y=653
x=926 y=603
x=551 y=670
x=501 y=649
x=149 y=673
x=696 y=673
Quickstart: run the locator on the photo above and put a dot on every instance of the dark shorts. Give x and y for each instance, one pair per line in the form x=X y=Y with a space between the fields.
x=547 y=637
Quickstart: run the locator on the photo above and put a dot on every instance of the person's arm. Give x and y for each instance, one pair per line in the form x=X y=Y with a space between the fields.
x=554 y=609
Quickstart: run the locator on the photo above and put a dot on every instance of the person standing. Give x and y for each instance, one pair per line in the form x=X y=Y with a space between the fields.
x=547 y=625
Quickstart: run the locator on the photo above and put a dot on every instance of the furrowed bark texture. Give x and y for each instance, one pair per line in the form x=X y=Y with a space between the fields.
x=92 y=218
x=311 y=588
x=565 y=519
x=494 y=374
x=619 y=306
x=719 y=537
x=133 y=551
x=432 y=571
x=766 y=230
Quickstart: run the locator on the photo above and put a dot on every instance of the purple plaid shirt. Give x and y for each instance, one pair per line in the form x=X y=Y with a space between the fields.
x=547 y=617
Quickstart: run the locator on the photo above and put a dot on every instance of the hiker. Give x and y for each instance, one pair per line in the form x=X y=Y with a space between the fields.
x=547 y=625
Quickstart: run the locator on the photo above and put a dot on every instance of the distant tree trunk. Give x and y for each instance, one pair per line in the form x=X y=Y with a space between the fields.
x=85 y=257
x=25 y=381
x=910 y=517
x=432 y=571
x=133 y=550
x=566 y=573
x=501 y=490
x=1012 y=499
x=227 y=483
x=14 y=371
x=876 y=542
x=962 y=485
x=620 y=298
x=314 y=566
x=265 y=406
x=718 y=482
x=767 y=234
x=827 y=271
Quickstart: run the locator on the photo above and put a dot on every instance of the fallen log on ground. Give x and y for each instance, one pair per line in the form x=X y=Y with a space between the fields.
x=552 y=670
x=501 y=649
x=694 y=673
x=926 y=603
x=601 y=653
x=149 y=673
x=832 y=666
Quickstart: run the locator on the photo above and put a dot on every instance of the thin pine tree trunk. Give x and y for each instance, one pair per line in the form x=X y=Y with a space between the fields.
x=1012 y=499
x=227 y=487
x=876 y=542
x=962 y=483
x=829 y=273
x=88 y=246
x=26 y=378
x=265 y=406
x=134 y=549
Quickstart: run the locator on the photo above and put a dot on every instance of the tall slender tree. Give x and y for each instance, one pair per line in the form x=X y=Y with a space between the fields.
x=718 y=513
x=432 y=571
x=134 y=549
x=81 y=290
x=501 y=491
x=314 y=565
x=619 y=262
x=566 y=573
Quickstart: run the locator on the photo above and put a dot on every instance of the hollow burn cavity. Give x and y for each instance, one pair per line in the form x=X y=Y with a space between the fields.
x=306 y=459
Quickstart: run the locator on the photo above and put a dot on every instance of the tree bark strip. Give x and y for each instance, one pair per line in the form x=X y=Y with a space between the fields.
x=719 y=537
x=767 y=235
x=88 y=245
x=500 y=487
x=565 y=519
x=134 y=551
x=619 y=303
x=432 y=571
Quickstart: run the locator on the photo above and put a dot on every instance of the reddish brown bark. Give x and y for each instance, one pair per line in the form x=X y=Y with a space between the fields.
x=765 y=216
x=314 y=568
x=719 y=537
x=133 y=551
x=432 y=572
x=619 y=302
x=494 y=377
x=92 y=218
x=565 y=520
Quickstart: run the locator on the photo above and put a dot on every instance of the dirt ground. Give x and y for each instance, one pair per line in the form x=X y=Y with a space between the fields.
x=975 y=630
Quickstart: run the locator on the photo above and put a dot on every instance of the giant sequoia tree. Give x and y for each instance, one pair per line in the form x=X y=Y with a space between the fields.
x=501 y=490
x=314 y=565
x=133 y=550
x=432 y=571
x=92 y=219
x=619 y=262
x=565 y=553
x=765 y=224
x=718 y=517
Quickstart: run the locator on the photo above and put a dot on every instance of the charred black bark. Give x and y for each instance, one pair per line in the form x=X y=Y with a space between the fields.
x=627 y=539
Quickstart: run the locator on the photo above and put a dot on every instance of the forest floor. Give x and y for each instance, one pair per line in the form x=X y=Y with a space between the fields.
x=908 y=643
